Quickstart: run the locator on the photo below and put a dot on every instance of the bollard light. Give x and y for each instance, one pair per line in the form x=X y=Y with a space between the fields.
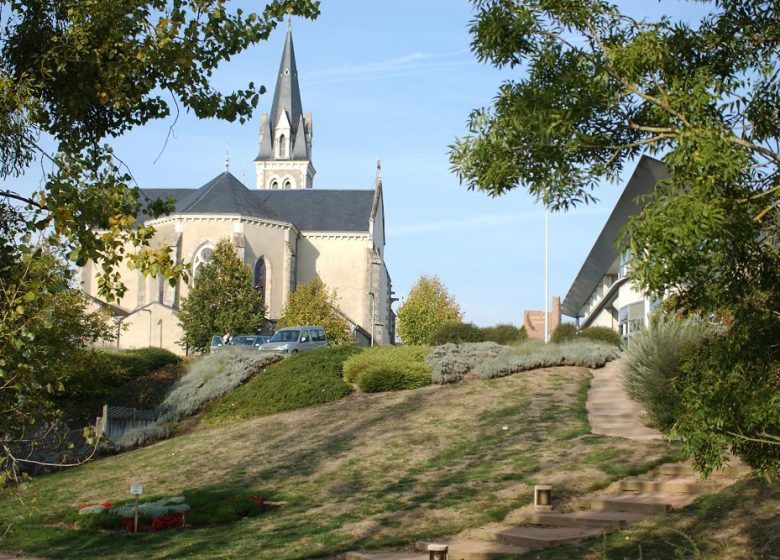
x=543 y=497
x=437 y=552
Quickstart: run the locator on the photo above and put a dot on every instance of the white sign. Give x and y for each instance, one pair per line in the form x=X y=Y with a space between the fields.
x=136 y=489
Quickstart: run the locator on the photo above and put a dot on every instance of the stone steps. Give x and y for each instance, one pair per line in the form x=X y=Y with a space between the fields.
x=610 y=413
x=638 y=503
x=670 y=486
x=472 y=549
x=535 y=536
x=735 y=469
x=608 y=520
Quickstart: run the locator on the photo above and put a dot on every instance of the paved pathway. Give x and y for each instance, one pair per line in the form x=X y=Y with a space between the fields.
x=610 y=410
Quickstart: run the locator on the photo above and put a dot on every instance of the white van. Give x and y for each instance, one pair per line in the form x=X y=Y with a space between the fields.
x=291 y=340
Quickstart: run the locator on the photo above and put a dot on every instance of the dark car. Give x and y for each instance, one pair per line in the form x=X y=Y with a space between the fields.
x=249 y=340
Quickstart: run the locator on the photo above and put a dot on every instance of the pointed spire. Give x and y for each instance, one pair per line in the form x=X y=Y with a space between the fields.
x=287 y=96
x=378 y=171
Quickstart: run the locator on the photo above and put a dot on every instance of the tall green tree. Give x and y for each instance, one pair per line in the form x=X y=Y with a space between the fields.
x=428 y=307
x=599 y=88
x=223 y=300
x=80 y=73
x=313 y=304
x=44 y=322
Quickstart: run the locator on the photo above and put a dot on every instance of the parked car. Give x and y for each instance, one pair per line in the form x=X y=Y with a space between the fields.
x=216 y=343
x=244 y=340
x=291 y=340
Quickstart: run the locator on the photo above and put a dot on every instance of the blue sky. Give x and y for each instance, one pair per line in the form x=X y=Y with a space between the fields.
x=394 y=81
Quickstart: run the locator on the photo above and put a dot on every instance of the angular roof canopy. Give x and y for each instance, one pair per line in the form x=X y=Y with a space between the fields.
x=307 y=209
x=605 y=251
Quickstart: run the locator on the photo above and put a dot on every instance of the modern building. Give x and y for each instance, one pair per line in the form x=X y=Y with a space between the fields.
x=284 y=229
x=601 y=294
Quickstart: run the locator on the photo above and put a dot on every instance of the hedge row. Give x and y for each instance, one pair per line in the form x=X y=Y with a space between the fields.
x=461 y=333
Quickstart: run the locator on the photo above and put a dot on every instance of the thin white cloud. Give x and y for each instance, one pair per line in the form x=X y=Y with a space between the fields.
x=413 y=62
x=482 y=221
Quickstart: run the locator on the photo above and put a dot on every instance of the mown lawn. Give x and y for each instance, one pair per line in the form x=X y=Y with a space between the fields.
x=364 y=472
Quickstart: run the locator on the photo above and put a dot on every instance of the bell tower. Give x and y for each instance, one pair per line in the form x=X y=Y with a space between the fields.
x=284 y=161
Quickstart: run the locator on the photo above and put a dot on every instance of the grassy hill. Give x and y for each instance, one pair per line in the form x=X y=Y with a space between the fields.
x=366 y=471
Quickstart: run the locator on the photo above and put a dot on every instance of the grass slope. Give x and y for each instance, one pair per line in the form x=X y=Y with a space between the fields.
x=296 y=382
x=368 y=471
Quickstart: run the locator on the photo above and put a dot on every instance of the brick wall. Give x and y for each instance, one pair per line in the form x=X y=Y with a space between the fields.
x=534 y=320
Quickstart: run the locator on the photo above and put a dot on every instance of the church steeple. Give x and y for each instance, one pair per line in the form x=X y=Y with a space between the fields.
x=284 y=161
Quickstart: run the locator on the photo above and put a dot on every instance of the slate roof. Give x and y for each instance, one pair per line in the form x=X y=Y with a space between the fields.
x=307 y=209
x=604 y=252
x=320 y=209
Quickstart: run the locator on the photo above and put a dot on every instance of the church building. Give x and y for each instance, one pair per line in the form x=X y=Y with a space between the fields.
x=285 y=230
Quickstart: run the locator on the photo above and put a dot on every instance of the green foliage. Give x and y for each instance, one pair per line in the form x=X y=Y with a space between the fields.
x=535 y=354
x=427 y=307
x=223 y=300
x=653 y=359
x=45 y=327
x=450 y=362
x=389 y=368
x=393 y=376
x=80 y=73
x=313 y=304
x=564 y=332
x=601 y=334
x=142 y=361
x=298 y=381
x=383 y=356
x=212 y=376
x=505 y=334
x=600 y=90
x=729 y=392
x=457 y=333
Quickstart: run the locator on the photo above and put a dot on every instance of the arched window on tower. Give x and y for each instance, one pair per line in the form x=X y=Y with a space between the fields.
x=283 y=146
x=201 y=257
x=287 y=184
x=259 y=281
x=274 y=184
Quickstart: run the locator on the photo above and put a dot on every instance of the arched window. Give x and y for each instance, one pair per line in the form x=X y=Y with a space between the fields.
x=287 y=184
x=259 y=281
x=274 y=184
x=201 y=257
x=283 y=146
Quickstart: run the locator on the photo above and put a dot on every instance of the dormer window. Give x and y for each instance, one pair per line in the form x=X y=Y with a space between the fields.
x=282 y=146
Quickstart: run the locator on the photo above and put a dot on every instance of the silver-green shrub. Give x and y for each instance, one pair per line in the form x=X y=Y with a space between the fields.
x=450 y=362
x=209 y=377
x=535 y=354
x=212 y=376
x=652 y=361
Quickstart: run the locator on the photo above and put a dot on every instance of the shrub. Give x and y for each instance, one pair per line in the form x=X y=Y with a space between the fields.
x=393 y=376
x=387 y=356
x=652 y=362
x=449 y=363
x=602 y=334
x=299 y=381
x=563 y=333
x=729 y=391
x=141 y=361
x=536 y=354
x=457 y=333
x=505 y=334
x=212 y=376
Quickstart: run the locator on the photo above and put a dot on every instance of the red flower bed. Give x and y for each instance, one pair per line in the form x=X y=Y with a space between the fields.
x=170 y=521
